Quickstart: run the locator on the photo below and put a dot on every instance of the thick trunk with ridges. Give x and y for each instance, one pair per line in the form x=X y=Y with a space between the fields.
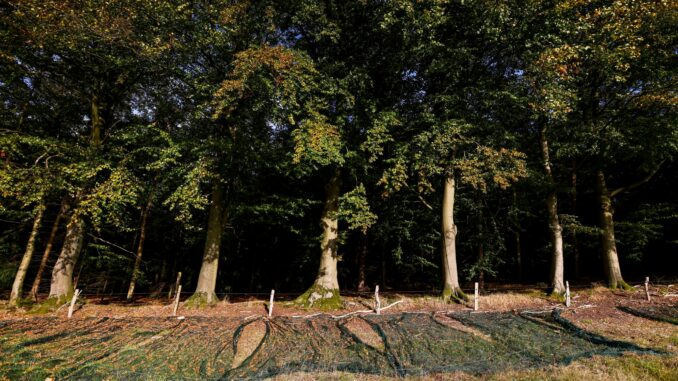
x=610 y=257
x=325 y=290
x=207 y=280
x=62 y=274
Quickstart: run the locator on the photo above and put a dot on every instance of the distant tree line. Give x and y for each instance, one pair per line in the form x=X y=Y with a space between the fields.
x=284 y=144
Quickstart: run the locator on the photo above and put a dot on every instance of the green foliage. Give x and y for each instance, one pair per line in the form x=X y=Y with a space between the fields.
x=124 y=106
x=317 y=143
x=355 y=209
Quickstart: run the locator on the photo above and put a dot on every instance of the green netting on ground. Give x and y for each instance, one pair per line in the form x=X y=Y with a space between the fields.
x=208 y=347
x=668 y=314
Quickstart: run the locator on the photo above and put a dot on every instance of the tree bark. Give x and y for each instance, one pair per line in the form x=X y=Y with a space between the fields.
x=610 y=257
x=327 y=272
x=557 y=261
x=325 y=289
x=451 y=288
x=140 y=248
x=48 y=250
x=207 y=280
x=62 y=275
x=18 y=285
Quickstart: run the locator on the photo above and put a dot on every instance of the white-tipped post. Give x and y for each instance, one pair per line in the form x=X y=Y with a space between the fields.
x=70 y=308
x=476 y=296
x=270 y=304
x=377 y=301
x=175 y=286
x=647 y=288
x=567 y=294
x=176 y=301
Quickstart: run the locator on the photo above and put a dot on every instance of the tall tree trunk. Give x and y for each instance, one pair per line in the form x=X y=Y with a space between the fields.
x=519 y=256
x=362 y=256
x=610 y=257
x=557 y=261
x=481 y=250
x=207 y=280
x=575 y=241
x=481 y=271
x=140 y=248
x=451 y=288
x=18 y=285
x=516 y=234
x=62 y=274
x=325 y=289
x=48 y=249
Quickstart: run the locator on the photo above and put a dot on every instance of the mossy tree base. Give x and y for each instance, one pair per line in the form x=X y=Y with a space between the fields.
x=619 y=285
x=454 y=294
x=201 y=300
x=551 y=292
x=25 y=303
x=320 y=297
x=52 y=303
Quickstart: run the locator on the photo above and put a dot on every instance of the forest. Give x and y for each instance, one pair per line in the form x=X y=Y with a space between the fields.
x=323 y=147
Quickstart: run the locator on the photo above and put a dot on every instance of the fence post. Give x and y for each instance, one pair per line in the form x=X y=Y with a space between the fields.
x=70 y=308
x=377 y=302
x=476 y=296
x=176 y=301
x=647 y=288
x=270 y=304
x=567 y=294
x=176 y=285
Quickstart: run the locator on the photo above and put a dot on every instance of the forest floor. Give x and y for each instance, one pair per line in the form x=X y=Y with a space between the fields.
x=603 y=335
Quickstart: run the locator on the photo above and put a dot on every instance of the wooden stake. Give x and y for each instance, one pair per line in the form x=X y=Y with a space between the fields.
x=377 y=302
x=647 y=288
x=567 y=294
x=476 y=296
x=70 y=308
x=270 y=304
x=176 y=285
x=176 y=301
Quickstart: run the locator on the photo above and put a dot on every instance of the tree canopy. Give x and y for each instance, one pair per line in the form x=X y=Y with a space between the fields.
x=318 y=146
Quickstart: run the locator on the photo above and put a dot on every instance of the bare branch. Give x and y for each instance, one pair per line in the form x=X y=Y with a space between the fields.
x=639 y=183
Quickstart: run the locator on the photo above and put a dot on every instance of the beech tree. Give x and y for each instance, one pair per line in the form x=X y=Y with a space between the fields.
x=451 y=137
x=611 y=66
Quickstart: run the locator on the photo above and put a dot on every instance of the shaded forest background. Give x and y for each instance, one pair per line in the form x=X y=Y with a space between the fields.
x=132 y=117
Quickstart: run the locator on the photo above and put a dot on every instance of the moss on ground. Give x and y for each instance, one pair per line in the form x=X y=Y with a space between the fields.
x=620 y=285
x=201 y=300
x=320 y=297
x=51 y=304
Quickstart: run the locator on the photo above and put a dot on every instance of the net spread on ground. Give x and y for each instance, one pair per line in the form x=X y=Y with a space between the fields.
x=233 y=348
x=667 y=314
